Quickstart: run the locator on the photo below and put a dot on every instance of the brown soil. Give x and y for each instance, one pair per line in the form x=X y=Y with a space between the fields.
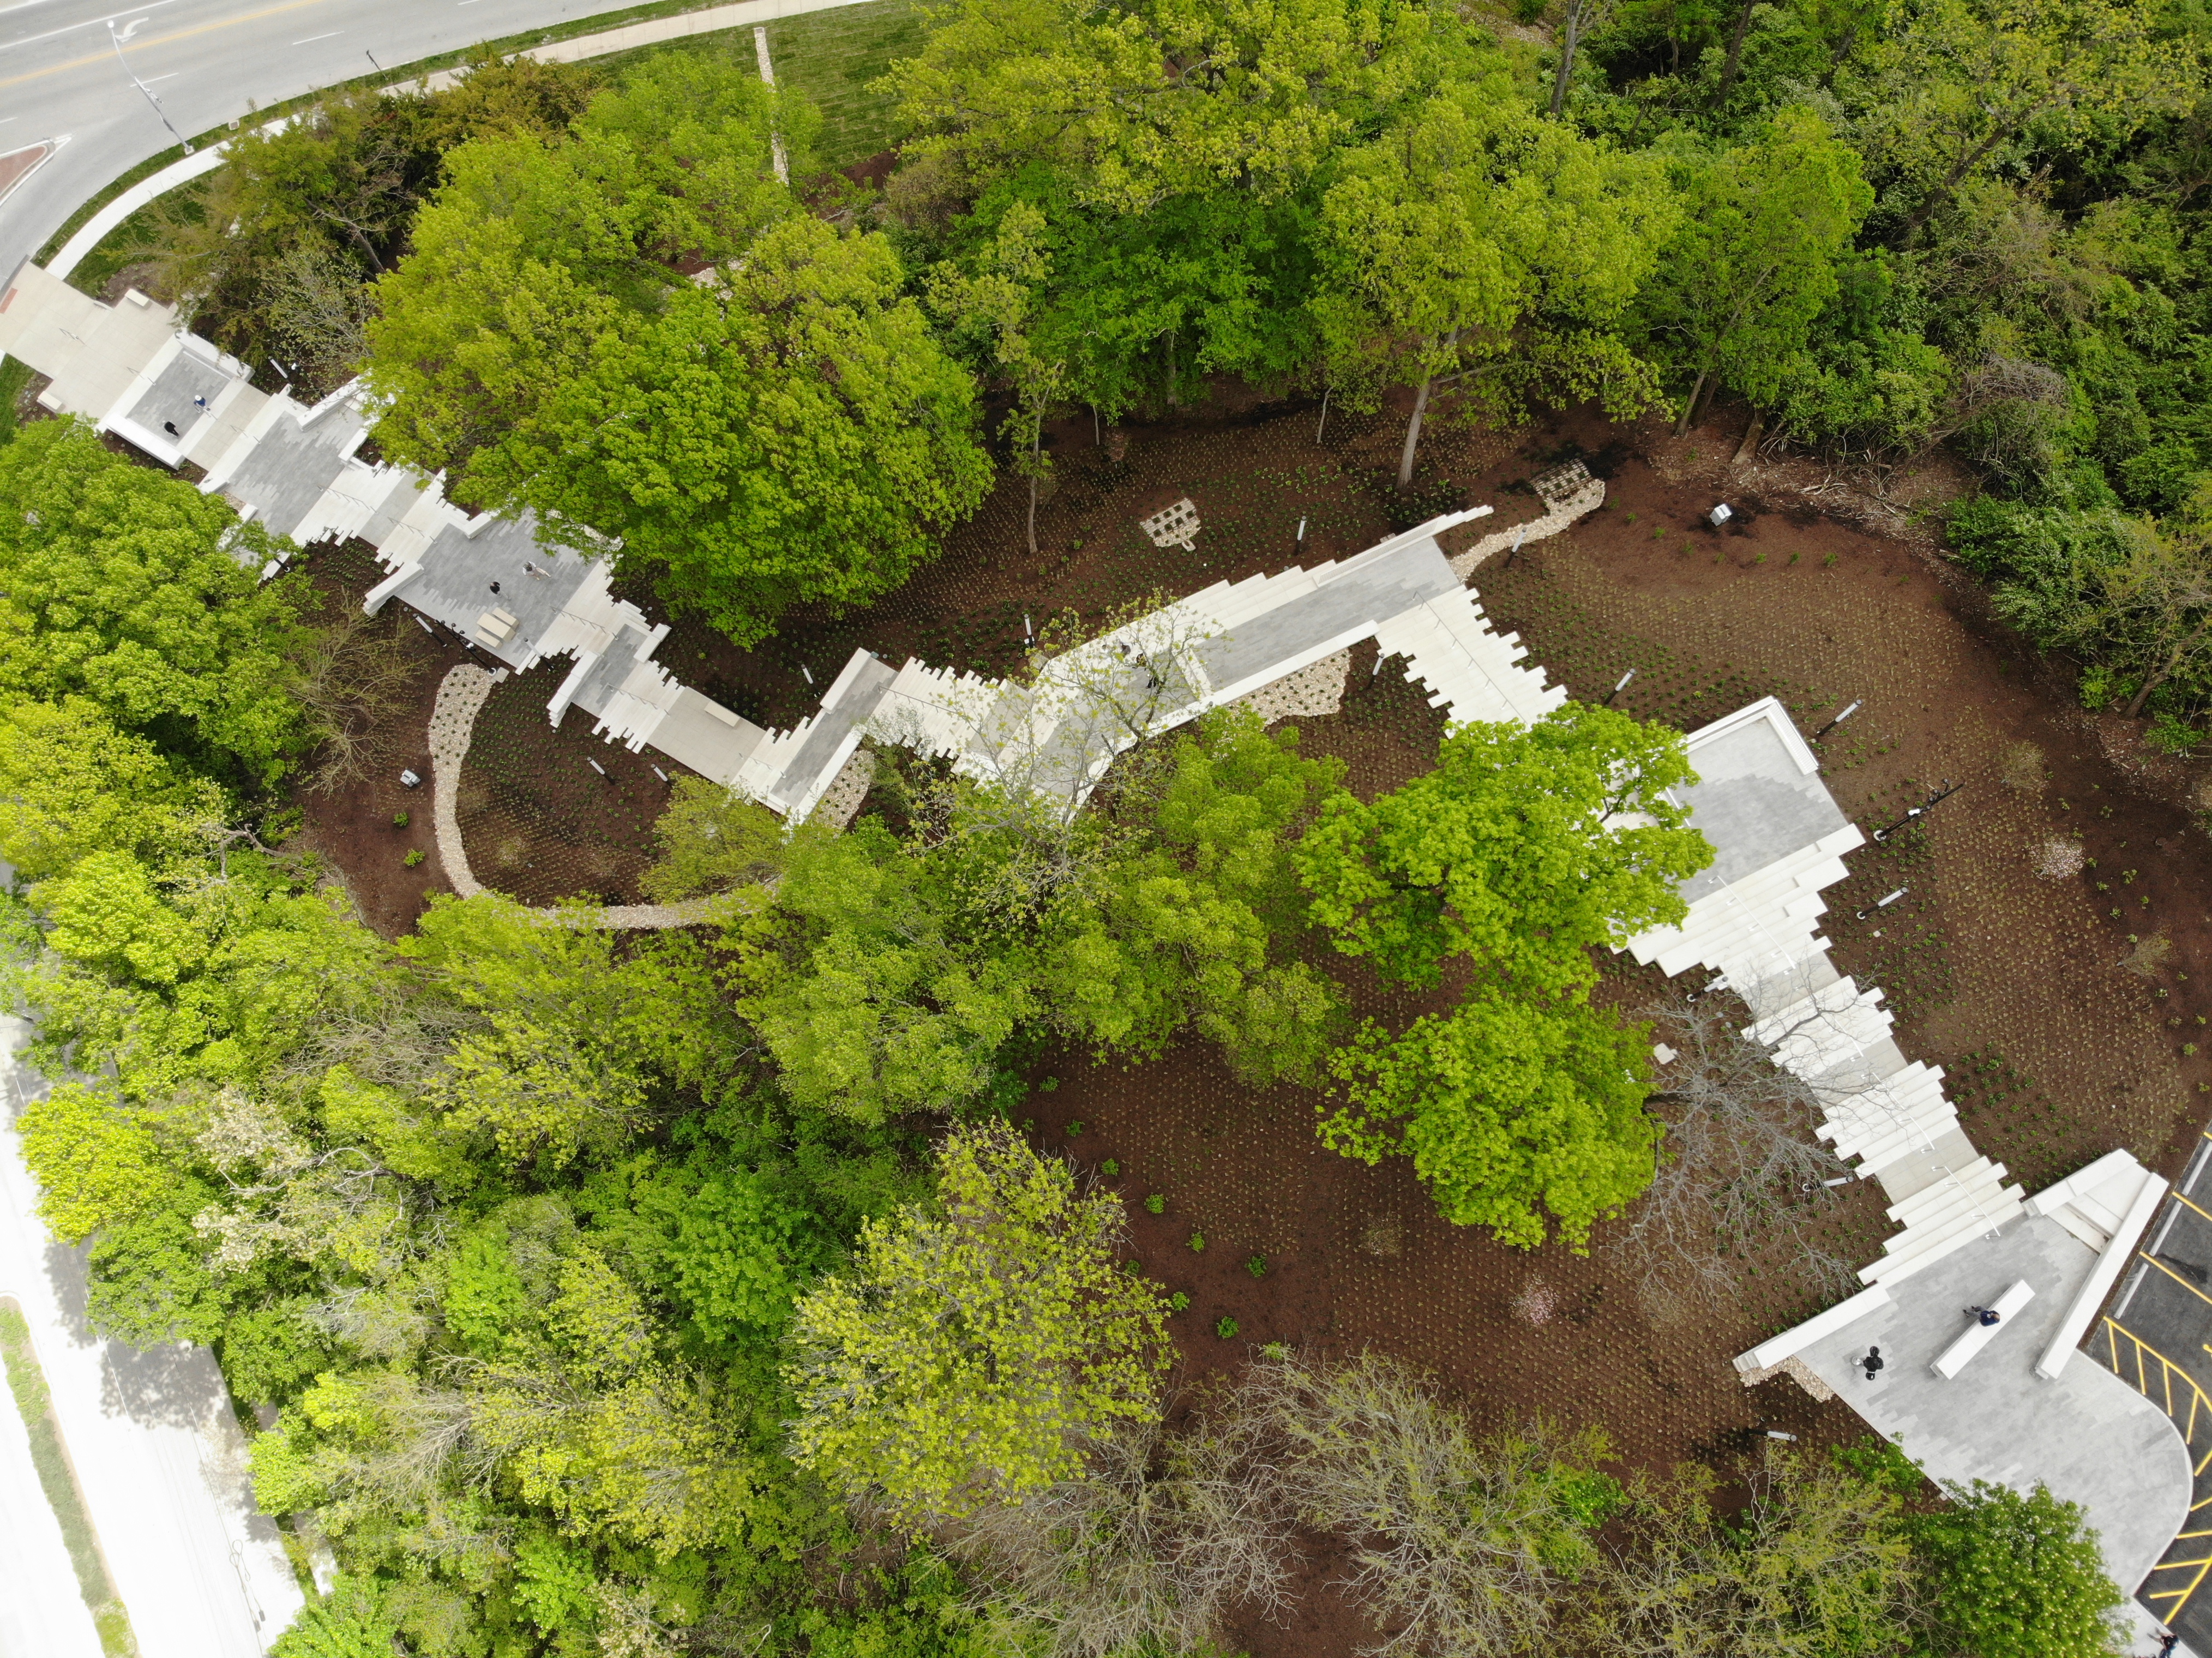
x=549 y=814
x=351 y=828
x=2055 y=1053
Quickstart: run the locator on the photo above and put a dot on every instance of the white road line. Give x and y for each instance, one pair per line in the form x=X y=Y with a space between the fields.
x=152 y=79
x=90 y=23
x=311 y=39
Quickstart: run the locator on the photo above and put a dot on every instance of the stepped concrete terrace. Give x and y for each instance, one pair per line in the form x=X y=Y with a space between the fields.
x=518 y=598
x=1753 y=916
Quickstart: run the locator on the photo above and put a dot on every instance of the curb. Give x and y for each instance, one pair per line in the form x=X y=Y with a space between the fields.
x=95 y=229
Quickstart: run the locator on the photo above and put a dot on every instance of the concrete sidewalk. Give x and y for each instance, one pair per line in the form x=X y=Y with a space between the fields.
x=161 y=1459
x=604 y=44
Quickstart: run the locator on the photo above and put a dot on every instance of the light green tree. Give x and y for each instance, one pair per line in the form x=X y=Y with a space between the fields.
x=1512 y=1108
x=135 y=592
x=1000 y=302
x=1477 y=249
x=781 y=426
x=1962 y=79
x=1138 y=103
x=71 y=783
x=1753 y=264
x=970 y=1355
x=2015 y=1574
x=1524 y=847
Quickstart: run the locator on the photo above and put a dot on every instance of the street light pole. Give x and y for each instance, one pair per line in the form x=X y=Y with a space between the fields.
x=116 y=40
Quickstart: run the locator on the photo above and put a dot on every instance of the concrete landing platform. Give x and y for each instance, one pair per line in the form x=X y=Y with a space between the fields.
x=2087 y=1435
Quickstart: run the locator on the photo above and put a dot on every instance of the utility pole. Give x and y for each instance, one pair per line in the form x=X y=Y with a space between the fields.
x=116 y=40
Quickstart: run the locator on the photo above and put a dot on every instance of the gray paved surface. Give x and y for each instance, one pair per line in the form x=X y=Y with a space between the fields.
x=210 y=62
x=2153 y=1338
x=2088 y=1437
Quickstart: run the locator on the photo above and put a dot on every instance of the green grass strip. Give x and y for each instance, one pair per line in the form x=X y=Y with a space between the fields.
x=833 y=56
x=34 y=1404
x=397 y=76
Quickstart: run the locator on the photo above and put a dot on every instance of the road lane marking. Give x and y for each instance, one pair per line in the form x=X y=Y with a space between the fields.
x=164 y=40
x=95 y=22
x=311 y=39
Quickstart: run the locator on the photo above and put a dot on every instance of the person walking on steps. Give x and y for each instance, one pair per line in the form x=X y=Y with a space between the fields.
x=1984 y=1317
x=1874 y=1361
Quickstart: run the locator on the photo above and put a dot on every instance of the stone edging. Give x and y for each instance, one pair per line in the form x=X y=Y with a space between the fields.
x=461 y=696
x=1585 y=500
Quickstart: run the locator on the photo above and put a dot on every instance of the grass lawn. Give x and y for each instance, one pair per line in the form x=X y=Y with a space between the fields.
x=830 y=56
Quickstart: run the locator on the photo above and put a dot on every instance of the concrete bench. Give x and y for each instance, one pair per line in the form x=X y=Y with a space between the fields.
x=1953 y=1358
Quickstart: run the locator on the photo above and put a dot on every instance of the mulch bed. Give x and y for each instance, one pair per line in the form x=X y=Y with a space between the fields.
x=2054 y=1052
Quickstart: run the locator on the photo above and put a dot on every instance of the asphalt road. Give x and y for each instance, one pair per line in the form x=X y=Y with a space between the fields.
x=2157 y=1337
x=210 y=62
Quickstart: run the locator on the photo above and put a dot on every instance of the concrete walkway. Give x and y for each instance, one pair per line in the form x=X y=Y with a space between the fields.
x=605 y=43
x=158 y=1452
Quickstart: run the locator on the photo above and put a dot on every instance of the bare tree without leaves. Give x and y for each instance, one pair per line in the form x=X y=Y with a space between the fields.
x=1459 y=1544
x=1165 y=1531
x=1740 y=1168
x=350 y=673
x=319 y=310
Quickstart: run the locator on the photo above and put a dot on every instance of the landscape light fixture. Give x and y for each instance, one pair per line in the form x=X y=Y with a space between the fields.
x=409 y=780
x=1619 y=687
x=117 y=40
x=1719 y=515
x=1880 y=904
x=809 y=677
x=1856 y=704
x=1921 y=811
x=1515 y=550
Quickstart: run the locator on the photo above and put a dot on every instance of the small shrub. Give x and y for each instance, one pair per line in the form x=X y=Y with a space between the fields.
x=1110 y=1168
x=2171 y=734
x=1178 y=1302
x=1198 y=1242
x=2023 y=768
x=1384 y=1235
x=1157 y=1204
x=2149 y=955
x=1257 y=1267
x=1073 y=1129
x=2057 y=858
x=1047 y=1084
x=414 y=856
x=1226 y=1328
x=399 y=818
x=1539 y=1302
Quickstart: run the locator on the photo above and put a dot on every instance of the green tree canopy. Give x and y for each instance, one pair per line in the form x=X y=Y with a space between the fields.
x=134 y=592
x=2014 y=1574
x=970 y=1354
x=1512 y=1110
x=1476 y=247
x=1753 y=266
x=1140 y=102
x=1525 y=846
x=781 y=427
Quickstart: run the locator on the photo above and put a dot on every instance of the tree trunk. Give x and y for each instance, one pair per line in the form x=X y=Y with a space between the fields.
x=2142 y=696
x=1568 y=34
x=1752 y=434
x=1036 y=445
x=1690 y=406
x=1938 y=195
x=1736 y=54
x=1413 y=432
